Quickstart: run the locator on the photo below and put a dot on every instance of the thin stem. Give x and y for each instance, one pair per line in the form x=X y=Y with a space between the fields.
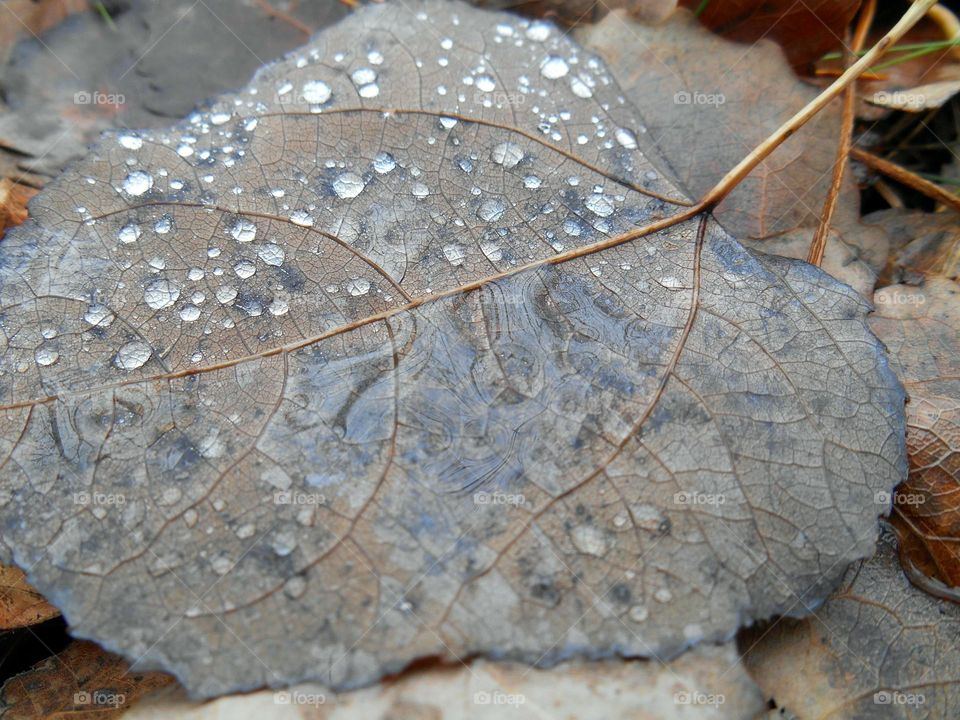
x=910 y=179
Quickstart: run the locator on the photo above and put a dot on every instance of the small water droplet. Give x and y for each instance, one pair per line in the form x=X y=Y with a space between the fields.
x=133 y=355
x=278 y=307
x=195 y=274
x=163 y=225
x=271 y=254
x=626 y=138
x=455 y=254
x=580 y=88
x=358 y=286
x=419 y=190
x=46 y=356
x=302 y=218
x=491 y=210
x=507 y=154
x=363 y=76
x=98 y=315
x=137 y=183
x=189 y=313
x=243 y=230
x=491 y=250
x=538 y=31
x=600 y=204
x=245 y=269
x=184 y=150
x=226 y=294
x=554 y=67
x=485 y=83
x=384 y=162
x=316 y=92
x=374 y=57
x=130 y=141
x=128 y=233
x=161 y=293
x=638 y=613
x=531 y=181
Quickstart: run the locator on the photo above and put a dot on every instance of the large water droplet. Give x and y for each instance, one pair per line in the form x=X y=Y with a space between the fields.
x=243 y=230
x=271 y=254
x=485 y=83
x=507 y=154
x=302 y=218
x=554 y=67
x=98 y=315
x=384 y=162
x=626 y=138
x=46 y=356
x=419 y=190
x=455 y=254
x=316 y=92
x=491 y=210
x=137 y=183
x=245 y=269
x=133 y=355
x=348 y=185
x=580 y=88
x=130 y=141
x=189 y=313
x=363 y=76
x=161 y=293
x=128 y=233
x=358 y=286
x=226 y=294
x=600 y=204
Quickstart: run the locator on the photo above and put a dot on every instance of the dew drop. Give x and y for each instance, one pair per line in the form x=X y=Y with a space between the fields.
x=384 y=162
x=580 y=88
x=189 y=313
x=128 y=233
x=374 y=57
x=184 y=150
x=161 y=293
x=491 y=210
x=163 y=225
x=243 y=230
x=358 y=287
x=271 y=254
x=137 y=183
x=245 y=269
x=599 y=204
x=507 y=154
x=133 y=355
x=363 y=76
x=195 y=274
x=538 y=31
x=226 y=294
x=491 y=250
x=485 y=83
x=531 y=181
x=348 y=185
x=455 y=254
x=316 y=92
x=98 y=315
x=554 y=67
x=419 y=190
x=302 y=218
x=626 y=138
x=278 y=307
x=638 y=613
x=130 y=142
x=369 y=91
x=46 y=356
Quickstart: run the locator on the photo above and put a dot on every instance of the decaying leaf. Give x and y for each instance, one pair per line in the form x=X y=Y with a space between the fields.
x=705 y=116
x=878 y=649
x=32 y=17
x=13 y=203
x=84 y=682
x=707 y=682
x=372 y=361
x=921 y=244
x=920 y=326
x=20 y=604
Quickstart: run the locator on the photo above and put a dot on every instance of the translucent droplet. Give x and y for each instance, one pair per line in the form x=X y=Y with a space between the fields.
x=384 y=162
x=599 y=204
x=128 y=233
x=189 y=313
x=163 y=225
x=302 y=218
x=538 y=31
x=46 y=356
x=374 y=57
x=531 y=181
x=184 y=150
x=571 y=227
x=491 y=210
x=638 y=613
x=485 y=83
x=161 y=293
x=316 y=92
x=420 y=190
x=226 y=294
x=554 y=67
x=137 y=183
x=271 y=254
x=491 y=250
x=363 y=76
x=243 y=230
x=455 y=254
x=507 y=154
x=348 y=185
x=133 y=355
x=580 y=88
x=369 y=91
x=245 y=269
x=195 y=274
x=465 y=164
x=358 y=286
x=219 y=118
x=626 y=138
x=130 y=141
x=278 y=307
x=98 y=315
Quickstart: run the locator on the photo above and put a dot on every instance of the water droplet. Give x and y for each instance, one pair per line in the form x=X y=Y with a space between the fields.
x=455 y=254
x=133 y=355
x=163 y=225
x=243 y=230
x=638 y=613
x=348 y=185
x=128 y=233
x=302 y=218
x=184 y=150
x=571 y=227
x=195 y=274
x=271 y=254
x=130 y=142
x=419 y=190
x=531 y=181
x=295 y=587
x=161 y=293
x=46 y=356
x=369 y=91
x=465 y=164
x=491 y=210
x=374 y=57
x=189 y=313
x=580 y=88
x=219 y=118
x=663 y=595
x=98 y=315
x=590 y=540
x=278 y=307
x=554 y=67
x=446 y=43
x=137 y=183
x=599 y=204
x=507 y=154
x=363 y=76
x=384 y=162
x=491 y=250
x=358 y=287
x=226 y=294
x=485 y=83
x=316 y=92
x=626 y=138
x=538 y=31
x=448 y=123
x=245 y=269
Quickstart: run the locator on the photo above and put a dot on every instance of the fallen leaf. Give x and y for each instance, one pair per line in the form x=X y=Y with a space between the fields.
x=577 y=12
x=13 y=203
x=805 y=30
x=366 y=364
x=921 y=244
x=878 y=649
x=708 y=682
x=706 y=116
x=20 y=604
x=32 y=17
x=920 y=327
x=83 y=682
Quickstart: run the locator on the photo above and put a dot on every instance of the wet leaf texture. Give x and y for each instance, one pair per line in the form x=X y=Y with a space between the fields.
x=339 y=374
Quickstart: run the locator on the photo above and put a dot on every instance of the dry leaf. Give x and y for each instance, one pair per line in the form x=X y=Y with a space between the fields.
x=921 y=244
x=13 y=203
x=878 y=649
x=20 y=604
x=32 y=17
x=367 y=363
x=84 y=682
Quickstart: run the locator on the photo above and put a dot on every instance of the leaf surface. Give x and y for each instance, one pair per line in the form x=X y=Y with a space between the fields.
x=375 y=360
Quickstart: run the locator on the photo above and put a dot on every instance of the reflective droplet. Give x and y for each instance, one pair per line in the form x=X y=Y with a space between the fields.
x=384 y=162
x=369 y=91
x=137 y=183
x=302 y=218
x=455 y=254
x=374 y=57
x=271 y=254
x=98 y=315
x=538 y=31
x=580 y=88
x=163 y=225
x=491 y=250
x=130 y=142
x=133 y=355
x=243 y=230
x=491 y=210
x=245 y=269
x=316 y=92
x=531 y=181
x=626 y=138
x=219 y=118
x=554 y=67
x=161 y=293
x=358 y=287
x=226 y=294
x=348 y=185
x=128 y=233
x=638 y=613
x=507 y=154
x=184 y=150
x=599 y=204
x=46 y=356
x=363 y=76
x=419 y=190
x=195 y=274
x=189 y=313
x=278 y=307
x=485 y=83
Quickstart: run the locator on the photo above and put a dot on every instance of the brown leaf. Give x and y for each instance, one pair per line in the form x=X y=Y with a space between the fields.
x=805 y=30
x=577 y=12
x=20 y=604
x=920 y=327
x=371 y=362
x=705 y=116
x=13 y=203
x=878 y=649
x=32 y=17
x=84 y=682
x=921 y=244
